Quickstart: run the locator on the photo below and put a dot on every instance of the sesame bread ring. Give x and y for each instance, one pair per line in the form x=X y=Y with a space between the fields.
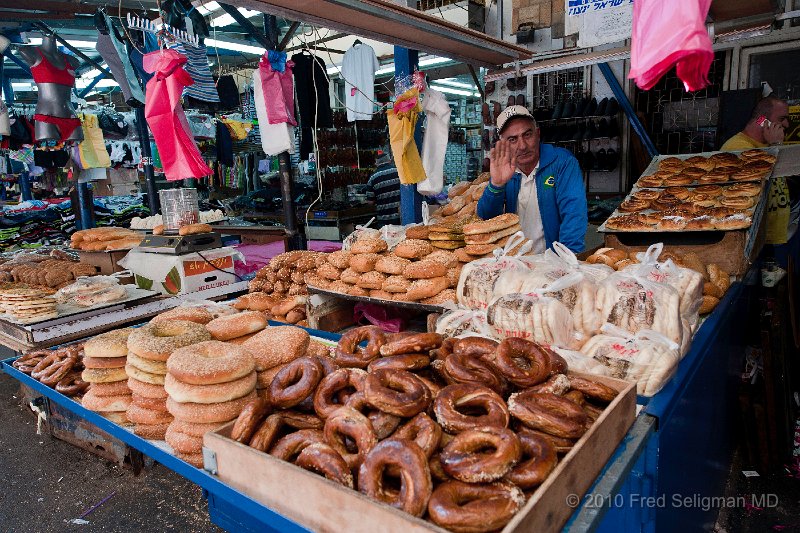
x=413 y=249
x=369 y=246
x=141 y=415
x=146 y=365
x=195 y=429
x=141 y=375
x=151 y=431
x=106 y=403
x=158 y=340
x=183 y=443
x=497 y=223
x=231 y=326
x=481 y=454
x=104 y=362
x=426 y=288
x=210 y=412
x=425 y=269
x=104 y=375
x=418 y=232
x=364 y=262
x=216 y=393
x=115 y=388
x=491 y=505
x=154 y=404
x=110 y=344
x=391 y=264
x=277 y=345
x=191 y=313
x=144 y=389
x=210 y=362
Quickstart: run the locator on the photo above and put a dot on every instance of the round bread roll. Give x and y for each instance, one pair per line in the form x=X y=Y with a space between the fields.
x=371 y=280
x=104 y=362
x=447 y=258
x=255 y=301
x=395 y=284
x=216 y=393
x=145 y=389
x=339 y=286
x=183 y=443
x=141 y=375
x=231 y=326
x=210 y=362
x=369 y=246
x=425 y=269
x=413 y=249
x=188 y=313
x=242 y=339
x=110 y=344
x=444 y=297
x=209 y=413
x=355 y=290
x=141 y=415
x=152 y=431
x=425 y=288
x=380 y=294
x=154 y=404
x=417 y=232
x=340 y=258
x=277 y=345
x=350 y=276
x=329 y=271
x=158 y=340
x=364 y=262
x=115 y=388
x=390 y=264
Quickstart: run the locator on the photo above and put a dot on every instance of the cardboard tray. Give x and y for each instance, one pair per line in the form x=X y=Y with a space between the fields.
x=321 y=505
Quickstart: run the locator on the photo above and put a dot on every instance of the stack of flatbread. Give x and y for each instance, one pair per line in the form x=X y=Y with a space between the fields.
x=26 y=305
x=482 y=237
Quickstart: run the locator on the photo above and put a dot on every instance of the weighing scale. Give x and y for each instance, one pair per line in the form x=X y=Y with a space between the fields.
x=180 y=245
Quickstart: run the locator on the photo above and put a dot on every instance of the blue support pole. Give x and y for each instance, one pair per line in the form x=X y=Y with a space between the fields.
x=405 y=63
x=17 y=61
x=25 y=192
x=91 y=85
x=636 y=124
x=86 y=205
x=8 y=90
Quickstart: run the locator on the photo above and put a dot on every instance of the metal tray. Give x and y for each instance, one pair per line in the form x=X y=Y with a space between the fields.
x=393 y=303
x=653 y=166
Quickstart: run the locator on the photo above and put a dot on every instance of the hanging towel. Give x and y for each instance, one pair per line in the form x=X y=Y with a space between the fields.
x=92 y=148
x=203 y=87
x=402 y=121
x=434 y=145
x=275 y=138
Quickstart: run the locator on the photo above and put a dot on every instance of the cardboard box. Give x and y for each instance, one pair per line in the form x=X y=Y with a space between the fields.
x=106 y=262
x=321 y=505
x=181 y=274
x=531 y=13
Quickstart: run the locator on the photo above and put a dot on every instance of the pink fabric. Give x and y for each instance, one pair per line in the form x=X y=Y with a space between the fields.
x=667 y=34
x=278 y=92
x=180 y=157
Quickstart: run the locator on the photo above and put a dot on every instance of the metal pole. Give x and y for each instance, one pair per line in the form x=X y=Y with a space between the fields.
x=25 y=193
x=147 y=160
x=86 y=205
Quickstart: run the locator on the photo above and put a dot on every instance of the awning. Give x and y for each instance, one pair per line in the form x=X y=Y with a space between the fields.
x=384 y=21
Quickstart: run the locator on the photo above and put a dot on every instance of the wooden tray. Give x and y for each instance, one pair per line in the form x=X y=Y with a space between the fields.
x=321 y=505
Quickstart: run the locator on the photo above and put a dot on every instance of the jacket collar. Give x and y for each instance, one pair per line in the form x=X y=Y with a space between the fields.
x=547 y=154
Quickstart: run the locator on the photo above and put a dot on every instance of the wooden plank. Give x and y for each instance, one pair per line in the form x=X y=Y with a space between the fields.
x=321 y=505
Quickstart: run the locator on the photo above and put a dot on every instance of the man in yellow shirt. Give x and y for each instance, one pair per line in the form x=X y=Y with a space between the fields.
x=769 y=120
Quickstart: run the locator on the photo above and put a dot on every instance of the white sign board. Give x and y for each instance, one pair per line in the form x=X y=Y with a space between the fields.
x=598 y=22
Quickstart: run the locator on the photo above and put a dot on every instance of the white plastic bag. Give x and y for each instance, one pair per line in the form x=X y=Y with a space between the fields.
x=475 y=287
x=646 y=358
x=532 y=316
x=580 y=362
x=462 y=321
x=634 y=303
x=361 y=232
x=686 y=281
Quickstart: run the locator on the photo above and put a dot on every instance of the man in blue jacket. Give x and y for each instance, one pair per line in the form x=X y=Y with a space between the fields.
x=542 y=183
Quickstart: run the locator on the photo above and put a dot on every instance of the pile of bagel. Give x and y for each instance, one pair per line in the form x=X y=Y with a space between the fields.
x=414 y=271
x=280 y=287
x=424 y=423
x=463 y=200
x=716 y=280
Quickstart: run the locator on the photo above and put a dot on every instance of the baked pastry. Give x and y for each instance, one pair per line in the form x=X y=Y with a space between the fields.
x=390 y=264
x=710 y=190
x=704 y=222
x=671 y=163
x=671 y=223
x=738 y=202
x=681 y=193
x=413 y=249
x=627 y=223
x=418 y=232
x=646 y=194
x=733 y=222
x=364 y=262
x=701 y=201
x=742 y=189
x=497 y=223
x=681 y=179
x=718 y=175
x=371 y=280
x=632 y=205
x=650 y=181
x=701 y=162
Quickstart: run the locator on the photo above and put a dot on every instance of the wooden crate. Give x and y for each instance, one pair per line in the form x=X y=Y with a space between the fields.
x=321 y=505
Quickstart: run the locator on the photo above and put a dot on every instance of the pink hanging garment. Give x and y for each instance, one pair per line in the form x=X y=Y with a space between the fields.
x=670 y=33
x=180 y=157
x=278 y=90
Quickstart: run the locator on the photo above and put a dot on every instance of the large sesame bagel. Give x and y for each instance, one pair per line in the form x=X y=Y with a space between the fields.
x=158 y=340
x=277 y=345
x=110 y=344
x=210 y=362
x=206 y=413
x=229 y=327
x=193 y=313
x=217 y=393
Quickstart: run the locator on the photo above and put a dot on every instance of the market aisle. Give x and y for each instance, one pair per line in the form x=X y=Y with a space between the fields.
x=47 y=483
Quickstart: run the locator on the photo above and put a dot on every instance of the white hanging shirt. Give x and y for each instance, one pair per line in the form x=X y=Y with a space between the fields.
x=358 y=69
x=530 y=218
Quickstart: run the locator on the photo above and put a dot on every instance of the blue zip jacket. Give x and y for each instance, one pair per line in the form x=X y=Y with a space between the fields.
x=561 y=195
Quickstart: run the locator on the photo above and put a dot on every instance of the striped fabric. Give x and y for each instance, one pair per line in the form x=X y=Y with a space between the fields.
x=203 y=87
x=383 y=188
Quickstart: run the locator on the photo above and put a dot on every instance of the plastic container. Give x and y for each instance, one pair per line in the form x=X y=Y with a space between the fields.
x=179 y=207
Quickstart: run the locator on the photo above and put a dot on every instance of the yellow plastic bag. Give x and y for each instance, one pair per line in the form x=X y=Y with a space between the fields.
x=778 y=212
x=93 y=147
x=402 y=121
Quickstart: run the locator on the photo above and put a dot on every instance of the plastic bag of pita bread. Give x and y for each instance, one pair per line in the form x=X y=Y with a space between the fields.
x=686 y=281
x=463 y=322
x=475 y=287
x=646 y=358
x=634 y=303
x=532 y=316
